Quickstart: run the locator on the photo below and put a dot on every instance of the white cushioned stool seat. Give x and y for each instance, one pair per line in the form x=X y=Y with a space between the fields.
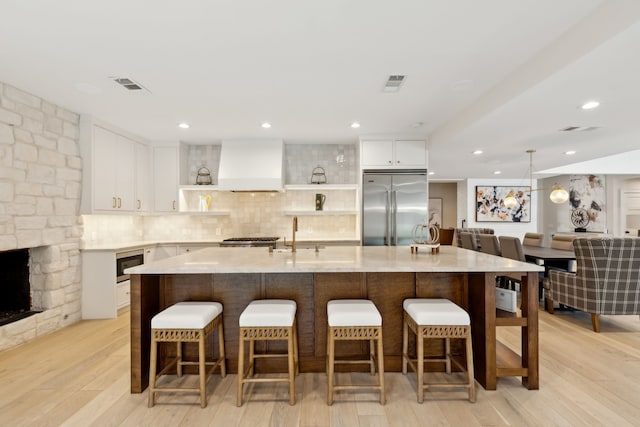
x=271 y=312
x=186 y=322
x=356 y=312
x=437 y=318
x=435 y=311
x=187 y=315
x=267 y=320
x=359 y=320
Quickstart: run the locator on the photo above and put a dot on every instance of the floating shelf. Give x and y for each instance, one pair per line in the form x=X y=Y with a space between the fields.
x=320 y=213
x=321 y=187
x=198 y=187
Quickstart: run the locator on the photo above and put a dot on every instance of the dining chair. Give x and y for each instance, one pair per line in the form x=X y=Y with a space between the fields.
x=489 y=244
x=468 y=241
x=533 y=239
x=563 y=242
x=511 y=248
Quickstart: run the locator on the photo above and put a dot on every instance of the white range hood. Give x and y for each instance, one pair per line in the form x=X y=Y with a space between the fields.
x=251 y=165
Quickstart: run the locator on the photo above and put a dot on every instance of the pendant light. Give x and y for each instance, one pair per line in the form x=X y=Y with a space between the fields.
x=558 y=194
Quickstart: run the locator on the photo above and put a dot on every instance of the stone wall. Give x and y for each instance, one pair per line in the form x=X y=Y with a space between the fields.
x=40 y=189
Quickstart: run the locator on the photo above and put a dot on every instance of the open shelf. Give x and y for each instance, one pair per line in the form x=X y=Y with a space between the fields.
x=321 y=187
x=508 y=362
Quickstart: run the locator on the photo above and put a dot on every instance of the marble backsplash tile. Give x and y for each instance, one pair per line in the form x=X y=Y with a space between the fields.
x=338 y=161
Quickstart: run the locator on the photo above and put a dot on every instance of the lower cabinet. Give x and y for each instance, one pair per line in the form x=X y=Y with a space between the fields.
x=99 y=285
x=123 y=294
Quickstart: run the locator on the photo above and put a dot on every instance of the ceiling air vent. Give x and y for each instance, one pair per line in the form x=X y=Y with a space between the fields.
x=393 y=83
x=129 y=84
x=579 y=128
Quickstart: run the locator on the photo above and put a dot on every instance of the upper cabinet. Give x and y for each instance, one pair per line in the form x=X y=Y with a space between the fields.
x=165 y=179
x=110 y=171
x=143 y=178
x=393 y=154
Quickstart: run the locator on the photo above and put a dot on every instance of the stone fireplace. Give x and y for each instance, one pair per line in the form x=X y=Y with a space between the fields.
x=40 y=189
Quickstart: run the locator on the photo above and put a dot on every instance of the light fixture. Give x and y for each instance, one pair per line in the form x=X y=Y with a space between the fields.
x=184 y=125
x=476 y=152
x=590 y=105
x=432 y=173
x=497 y=172
x=570 y=152
x=558 y=194
x=266 y=125
x=355 y=125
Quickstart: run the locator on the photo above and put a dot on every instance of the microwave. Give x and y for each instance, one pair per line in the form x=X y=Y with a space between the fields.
x=126 y=260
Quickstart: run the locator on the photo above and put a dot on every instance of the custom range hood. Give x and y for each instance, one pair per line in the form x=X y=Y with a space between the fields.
x=251 y=165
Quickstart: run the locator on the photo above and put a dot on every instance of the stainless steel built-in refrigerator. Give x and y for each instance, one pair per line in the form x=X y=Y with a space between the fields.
x=392 y=205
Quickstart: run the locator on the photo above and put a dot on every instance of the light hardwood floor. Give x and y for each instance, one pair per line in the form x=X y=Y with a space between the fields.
x=80 y=377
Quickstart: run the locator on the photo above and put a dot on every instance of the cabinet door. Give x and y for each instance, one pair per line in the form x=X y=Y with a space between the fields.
x=165 y=179
x=125 y=173
x=410 y=154
x=104 y=169
x=377 y=153
x=165 y=251
x=143 y=178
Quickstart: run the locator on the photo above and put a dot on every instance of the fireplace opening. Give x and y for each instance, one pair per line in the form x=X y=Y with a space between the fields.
x=15 y=290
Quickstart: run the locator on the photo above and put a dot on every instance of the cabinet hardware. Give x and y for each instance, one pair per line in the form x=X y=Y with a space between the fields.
x=173 y=205
x=113 y=202
x=119 y=202
x=139 y=204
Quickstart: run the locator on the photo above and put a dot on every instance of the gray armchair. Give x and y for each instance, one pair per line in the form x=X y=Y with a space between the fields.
x=607 y=280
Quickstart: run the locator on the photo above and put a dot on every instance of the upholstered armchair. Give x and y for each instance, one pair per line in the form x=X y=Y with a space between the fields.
x=607 y=280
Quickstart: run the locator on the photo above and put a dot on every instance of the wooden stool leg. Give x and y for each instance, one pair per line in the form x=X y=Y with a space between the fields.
x=202 y=369
x=152 y=371
x=330 y=345
x=292 y=374
x=405 y=345
x=420 y=362
x=223 y=363
x=179 y=358
x=240 y=370
x=252 y=359
x=295 y=346
x=447 y=354
x=472 y=380
x=381 y=368
x=372 y=356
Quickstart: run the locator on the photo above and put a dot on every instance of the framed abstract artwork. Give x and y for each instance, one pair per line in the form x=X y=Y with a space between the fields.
x=435 y=211
x=490 y=204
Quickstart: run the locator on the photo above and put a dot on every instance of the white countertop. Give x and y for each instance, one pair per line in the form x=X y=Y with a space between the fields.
x=332 y=259
x=122 y=246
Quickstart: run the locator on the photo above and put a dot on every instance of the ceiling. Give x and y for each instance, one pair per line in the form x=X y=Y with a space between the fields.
x=498 y=75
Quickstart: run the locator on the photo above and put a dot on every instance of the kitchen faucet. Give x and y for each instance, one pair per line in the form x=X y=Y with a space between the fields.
x=295 y=228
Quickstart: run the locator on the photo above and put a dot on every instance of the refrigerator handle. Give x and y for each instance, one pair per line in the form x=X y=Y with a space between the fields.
x=394 y=217
x=387 y=236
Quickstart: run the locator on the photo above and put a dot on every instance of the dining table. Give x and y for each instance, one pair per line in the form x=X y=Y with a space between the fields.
x=546 y=254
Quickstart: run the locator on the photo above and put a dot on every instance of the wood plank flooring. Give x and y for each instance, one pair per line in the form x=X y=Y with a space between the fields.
x=79 y=376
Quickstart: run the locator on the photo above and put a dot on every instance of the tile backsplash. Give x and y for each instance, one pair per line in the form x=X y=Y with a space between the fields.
x=337 y=160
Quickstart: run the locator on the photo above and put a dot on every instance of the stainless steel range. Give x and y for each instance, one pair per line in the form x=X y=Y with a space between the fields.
x=249 y=242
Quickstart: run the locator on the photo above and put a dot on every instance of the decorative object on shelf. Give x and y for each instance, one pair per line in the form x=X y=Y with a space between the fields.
x=320 y=199
x=425 y=234
x=204 y=203
x=435 y=211
x=558 y=194
x=204 y=177
x=491 y=204
x=318 y=176
x=580 y=219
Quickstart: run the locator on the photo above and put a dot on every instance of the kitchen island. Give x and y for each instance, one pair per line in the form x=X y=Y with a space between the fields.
x=385 y=275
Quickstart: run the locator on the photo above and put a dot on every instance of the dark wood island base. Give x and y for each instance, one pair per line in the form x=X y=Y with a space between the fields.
x=475 y=292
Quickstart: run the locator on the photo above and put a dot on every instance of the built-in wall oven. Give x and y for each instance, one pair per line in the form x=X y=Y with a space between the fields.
x=126 y=260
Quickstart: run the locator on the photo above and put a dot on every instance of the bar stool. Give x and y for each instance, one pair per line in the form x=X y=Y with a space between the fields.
x=191 y=321
x=436 y=318
x=268 y=320
x=354 y=319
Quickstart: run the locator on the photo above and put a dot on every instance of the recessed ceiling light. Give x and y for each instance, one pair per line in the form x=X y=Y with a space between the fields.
x=432 y=173
x=570 y=152
x=266 y=125
x=355 y=125
x=184 y=125
x=590 y=105
x=497 y=172
x=477 y=152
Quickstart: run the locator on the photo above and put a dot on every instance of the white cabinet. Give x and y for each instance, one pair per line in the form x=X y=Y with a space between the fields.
x=143 y=178
x=398 y=154
x=165 y=251
x=113 y=171
x=123 y=294
x=165 y=179
x=186 y=249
